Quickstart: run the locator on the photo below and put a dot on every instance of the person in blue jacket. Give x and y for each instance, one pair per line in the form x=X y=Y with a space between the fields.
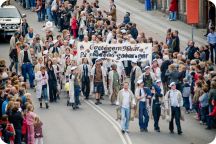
x=143 y=94
x=126 y=18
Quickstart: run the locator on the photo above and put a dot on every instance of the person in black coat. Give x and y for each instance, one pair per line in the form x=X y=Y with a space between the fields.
x=176 y=42
x=17 y=121
x=134 y=31
x=191 y=50
x=164 y=66
x=52 y=81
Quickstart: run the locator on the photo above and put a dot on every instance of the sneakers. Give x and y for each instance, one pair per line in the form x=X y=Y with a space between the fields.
x=180 y=132
x=123 y=131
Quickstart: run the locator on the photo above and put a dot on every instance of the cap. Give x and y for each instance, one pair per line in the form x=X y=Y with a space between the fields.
x=172 y=83
x=146 y=67
x=73 y=68
x=123 y=31
x=157 y=81
x=134 y=61
x=154 y=60
x=139 y=81
x=98 y=59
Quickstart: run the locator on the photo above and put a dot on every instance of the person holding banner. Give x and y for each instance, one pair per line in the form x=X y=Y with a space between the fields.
x=98 y=80
x=135 y=74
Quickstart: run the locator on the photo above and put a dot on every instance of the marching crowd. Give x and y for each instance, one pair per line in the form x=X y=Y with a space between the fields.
x=172 y=83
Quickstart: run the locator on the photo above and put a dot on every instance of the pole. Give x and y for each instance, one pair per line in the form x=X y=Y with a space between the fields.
x=192 y=34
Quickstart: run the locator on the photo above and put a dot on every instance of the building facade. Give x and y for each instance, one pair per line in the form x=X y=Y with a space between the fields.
x=163 y=5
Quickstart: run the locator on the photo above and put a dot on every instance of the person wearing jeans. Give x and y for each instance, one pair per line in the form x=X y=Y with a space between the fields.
x=142 y=94
x=26 y=61
x=173 y=10
x=211 y=39
x=41 y=78
x=126 y=102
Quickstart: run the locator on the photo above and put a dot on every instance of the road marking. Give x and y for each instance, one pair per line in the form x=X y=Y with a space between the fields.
x=112 y=119
x=113 y=124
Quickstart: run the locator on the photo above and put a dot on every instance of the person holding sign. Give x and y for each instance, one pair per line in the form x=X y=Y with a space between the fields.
x=135 y=74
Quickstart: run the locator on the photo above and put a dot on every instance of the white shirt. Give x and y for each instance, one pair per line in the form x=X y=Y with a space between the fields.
x=142 y=94
x=174 y=98
x=126 y=99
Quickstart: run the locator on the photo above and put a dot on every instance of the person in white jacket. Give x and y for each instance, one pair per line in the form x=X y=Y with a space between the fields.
x=41 y=77
x=156 y=69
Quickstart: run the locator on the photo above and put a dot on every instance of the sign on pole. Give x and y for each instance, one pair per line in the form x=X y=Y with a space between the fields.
x=192 y=11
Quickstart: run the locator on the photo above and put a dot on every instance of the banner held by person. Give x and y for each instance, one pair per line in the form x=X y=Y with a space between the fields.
x=140 y=52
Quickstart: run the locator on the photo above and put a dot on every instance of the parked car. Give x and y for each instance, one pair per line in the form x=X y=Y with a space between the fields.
x=10 y=19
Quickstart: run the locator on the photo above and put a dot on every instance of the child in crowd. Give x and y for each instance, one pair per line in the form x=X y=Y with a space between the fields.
x=30 y=117
x=203 y=99
x=186 y=94
x=38 y=131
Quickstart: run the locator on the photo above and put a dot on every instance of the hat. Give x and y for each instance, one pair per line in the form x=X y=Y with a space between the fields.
x=154 y=60
x=98 y=59
x=157 y=81
x=123 y=31
x=48 y=26
x=146 y=67
x=139 y=81
x=73 y=68
x=172 y=83
x=45 y=52
x=55 y=41
x=134 y=61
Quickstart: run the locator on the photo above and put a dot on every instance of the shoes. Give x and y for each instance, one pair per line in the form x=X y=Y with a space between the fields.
x=102 y=98
x=208 y=128
x=97 y=103
x=123 y=131
x=157 y=130
x=145 y=130
x=172 y=132
x=41 y=105
x=180 y=132
x=141 y=130
x=47 y=106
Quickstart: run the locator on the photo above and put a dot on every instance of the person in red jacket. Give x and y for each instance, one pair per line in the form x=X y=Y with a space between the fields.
x=212 y=116
x=74 y=26
x=173 y=10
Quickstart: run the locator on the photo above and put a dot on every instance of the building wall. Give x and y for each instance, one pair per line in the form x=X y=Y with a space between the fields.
x=163 y=6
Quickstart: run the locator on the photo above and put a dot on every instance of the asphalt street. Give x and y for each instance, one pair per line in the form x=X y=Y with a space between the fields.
x=96 y=124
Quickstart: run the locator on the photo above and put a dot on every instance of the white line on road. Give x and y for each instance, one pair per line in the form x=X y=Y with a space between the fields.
x=113 y=124
x=112 y=119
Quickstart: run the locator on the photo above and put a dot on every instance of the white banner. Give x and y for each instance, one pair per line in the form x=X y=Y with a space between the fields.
x=139 y=52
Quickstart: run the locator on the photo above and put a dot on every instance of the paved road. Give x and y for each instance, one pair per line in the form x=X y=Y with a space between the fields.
x=96 y=125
